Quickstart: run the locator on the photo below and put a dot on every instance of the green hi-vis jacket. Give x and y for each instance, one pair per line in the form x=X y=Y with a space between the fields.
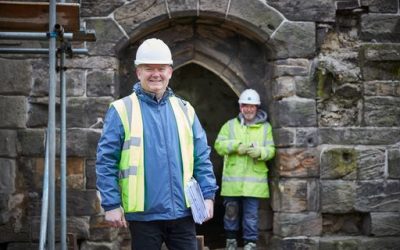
x=243 y=175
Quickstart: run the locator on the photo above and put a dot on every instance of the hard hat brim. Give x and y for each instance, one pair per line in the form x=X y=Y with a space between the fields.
x=139 y=62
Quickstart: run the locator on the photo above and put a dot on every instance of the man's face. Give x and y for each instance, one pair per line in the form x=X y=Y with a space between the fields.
x=154 y=78
x=249 y=111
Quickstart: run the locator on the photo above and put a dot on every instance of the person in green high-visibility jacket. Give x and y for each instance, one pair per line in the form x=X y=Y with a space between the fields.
x=246 y=143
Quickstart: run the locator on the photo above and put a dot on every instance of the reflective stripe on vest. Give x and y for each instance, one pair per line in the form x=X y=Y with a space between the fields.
x=131 y=167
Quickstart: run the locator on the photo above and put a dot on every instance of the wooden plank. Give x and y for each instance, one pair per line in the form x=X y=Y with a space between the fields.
x=34 y=16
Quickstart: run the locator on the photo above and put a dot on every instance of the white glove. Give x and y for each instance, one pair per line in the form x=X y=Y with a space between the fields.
x=210 y=208
x=116 y=218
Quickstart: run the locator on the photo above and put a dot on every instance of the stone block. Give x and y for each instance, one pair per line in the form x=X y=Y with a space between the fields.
x=87 y=112
x=210 y=7
x=303 y=10
x=74 y=79
x=294 y=39
x=296 y=112
x=91 y=8
x=82 y=203
x=283 y=87
x=178 y=8
x=135 y=13
x=339 y=163
x=101 y=83
x=8 y=143
x=78 y=226
x=379 y=6
x=7 y=176
x=383 y=224
x=23 y=245
x=260 y=15
x=284 y=137
x=371 y=163
x=291 y=243
x=394 y=162
x=10 y=233
x=295 y=195
x=108 y=35
x=90 y=170
x=337 y=196
x=13 y=111
x=75 y=172
x=359 y=136
x=82 y=142
x=379 y=52
x=380 y=27
x=378 y=196
x=100 y=230
x=93 y=62
x=297 y=224
x=382 y=111
x=92 y=245
x=339 y=242
x=384 y=243
x=38 y=115
x=4 y=210
x=291 y=67
x=382 y=88
x=342 y=224
x=298 y=162
x=305 y=87
x=306 y=137
x=15 y=77
x=31 y=142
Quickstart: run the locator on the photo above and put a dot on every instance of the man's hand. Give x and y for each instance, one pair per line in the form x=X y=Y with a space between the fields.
x=254 y=152
x=242 y=149
x=116 y=218
x=210 y=208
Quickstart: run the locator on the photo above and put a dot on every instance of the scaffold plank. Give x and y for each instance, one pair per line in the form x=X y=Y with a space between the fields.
x=34 y=16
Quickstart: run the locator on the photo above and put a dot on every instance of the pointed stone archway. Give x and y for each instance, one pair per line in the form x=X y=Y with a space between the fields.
x=239 y=44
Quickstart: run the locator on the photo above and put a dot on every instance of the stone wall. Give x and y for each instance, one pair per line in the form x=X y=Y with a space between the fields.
x=329 y=75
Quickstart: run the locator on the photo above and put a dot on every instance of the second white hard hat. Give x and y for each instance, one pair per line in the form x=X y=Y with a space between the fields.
x=249 y=96
x=153 y=51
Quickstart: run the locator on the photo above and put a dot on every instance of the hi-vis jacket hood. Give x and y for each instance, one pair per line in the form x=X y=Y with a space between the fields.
x=164 y=195
x=261 y=117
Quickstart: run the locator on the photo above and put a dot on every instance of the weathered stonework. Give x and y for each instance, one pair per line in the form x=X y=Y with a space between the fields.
x=328 y=73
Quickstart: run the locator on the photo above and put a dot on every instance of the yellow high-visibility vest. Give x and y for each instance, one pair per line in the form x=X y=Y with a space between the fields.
x=131 y=165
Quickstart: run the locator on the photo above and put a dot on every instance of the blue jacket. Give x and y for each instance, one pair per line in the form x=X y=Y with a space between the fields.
x=164 y=195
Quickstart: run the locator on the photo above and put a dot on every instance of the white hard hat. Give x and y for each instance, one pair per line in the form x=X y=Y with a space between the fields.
x=153 y=51
x=249 y=96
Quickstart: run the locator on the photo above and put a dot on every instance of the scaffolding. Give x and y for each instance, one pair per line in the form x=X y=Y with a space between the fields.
x=59 y=24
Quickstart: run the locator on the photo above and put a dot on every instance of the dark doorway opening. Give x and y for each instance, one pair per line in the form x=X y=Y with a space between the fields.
x=215 y=103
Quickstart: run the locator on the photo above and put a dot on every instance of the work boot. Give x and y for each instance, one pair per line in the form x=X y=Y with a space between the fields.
x=250 y=246
x=231 y=244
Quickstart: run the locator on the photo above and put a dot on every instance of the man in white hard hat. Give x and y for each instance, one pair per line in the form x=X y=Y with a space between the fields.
x=152 y=145
x=246 y=143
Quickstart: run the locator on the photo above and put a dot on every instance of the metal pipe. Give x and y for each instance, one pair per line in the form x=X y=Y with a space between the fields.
x=63 y=156
x=45 y=197
x=51 y=124
x=81 y=51
x=30 y=36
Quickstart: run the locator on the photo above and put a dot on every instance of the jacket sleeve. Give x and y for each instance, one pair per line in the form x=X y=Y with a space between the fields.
x=107 y=160
x=203 y=169
x=224 y=145
x=268 y=151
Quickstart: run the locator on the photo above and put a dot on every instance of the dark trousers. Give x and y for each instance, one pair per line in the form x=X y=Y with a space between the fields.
x=177 y=234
